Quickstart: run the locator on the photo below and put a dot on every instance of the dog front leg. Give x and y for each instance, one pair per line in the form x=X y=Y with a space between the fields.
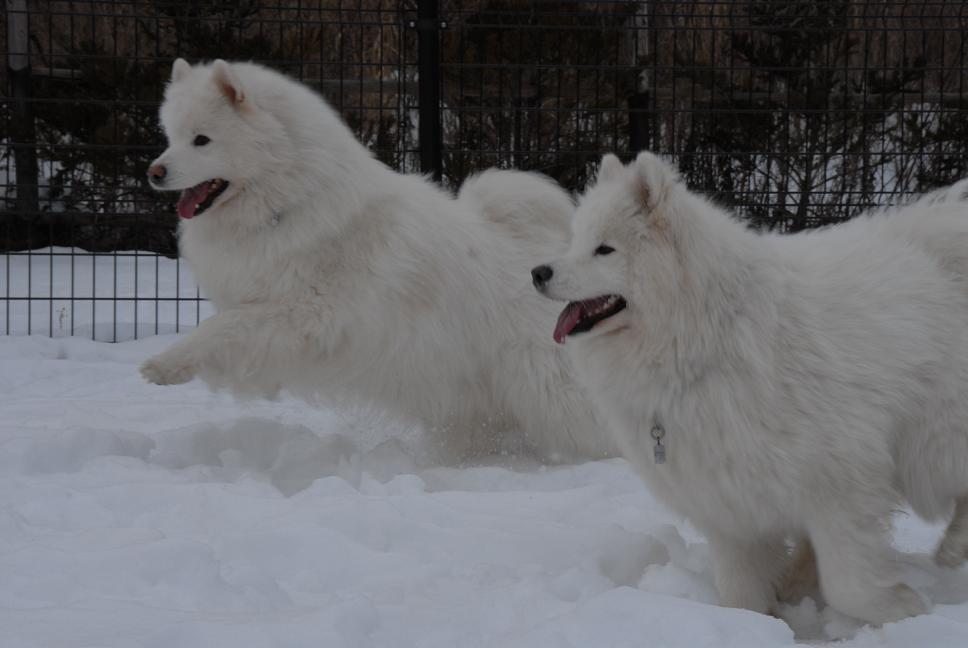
x=231 y=347
x=746 y=572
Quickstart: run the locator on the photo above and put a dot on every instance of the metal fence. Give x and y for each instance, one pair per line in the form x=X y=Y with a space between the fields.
x=797 y=113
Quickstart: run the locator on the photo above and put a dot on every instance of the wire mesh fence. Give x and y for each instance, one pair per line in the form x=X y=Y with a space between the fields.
x=798 y=113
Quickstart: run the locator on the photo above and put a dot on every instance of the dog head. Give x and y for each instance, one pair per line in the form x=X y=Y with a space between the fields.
x=623 y=254
x=220 y=136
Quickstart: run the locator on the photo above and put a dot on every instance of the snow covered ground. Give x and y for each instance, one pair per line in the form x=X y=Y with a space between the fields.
x=133 y=515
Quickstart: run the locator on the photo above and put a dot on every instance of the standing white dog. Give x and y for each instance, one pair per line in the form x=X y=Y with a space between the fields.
x=772 y=387
x=335 y=277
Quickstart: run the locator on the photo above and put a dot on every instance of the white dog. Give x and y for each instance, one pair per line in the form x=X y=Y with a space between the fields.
x=335 y=277
x=771 y=387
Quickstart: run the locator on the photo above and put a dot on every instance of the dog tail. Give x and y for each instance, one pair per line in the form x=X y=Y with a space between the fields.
x=956 y=193
x=938 y=222
x=528 y=206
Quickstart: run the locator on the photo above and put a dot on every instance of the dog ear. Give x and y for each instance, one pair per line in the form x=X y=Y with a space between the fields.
x=611 y=167
x=228 y=82
x=180 y=69
x=653 y=179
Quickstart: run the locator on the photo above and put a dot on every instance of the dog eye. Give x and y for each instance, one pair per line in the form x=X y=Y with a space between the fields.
x=200 y=140
x=602 y=250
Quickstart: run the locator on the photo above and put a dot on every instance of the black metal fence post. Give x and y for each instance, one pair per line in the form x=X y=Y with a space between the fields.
x=22 y=130
x=428 y=66
x=640 y=122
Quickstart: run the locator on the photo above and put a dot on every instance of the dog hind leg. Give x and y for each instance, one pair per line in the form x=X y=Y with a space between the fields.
x=953 y=549
x=857 y=573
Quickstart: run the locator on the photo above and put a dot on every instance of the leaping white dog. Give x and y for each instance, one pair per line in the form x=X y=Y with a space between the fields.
x=770 y=387
x=335 y=277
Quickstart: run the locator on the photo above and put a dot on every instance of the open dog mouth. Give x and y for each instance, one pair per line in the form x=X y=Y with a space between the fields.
x=197 y=199
x=581 y=316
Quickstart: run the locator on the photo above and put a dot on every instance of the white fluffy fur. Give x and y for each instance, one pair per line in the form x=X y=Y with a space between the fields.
x=808 y=384
x=372 y=287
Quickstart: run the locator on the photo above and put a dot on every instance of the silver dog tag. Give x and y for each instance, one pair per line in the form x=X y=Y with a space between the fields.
x=659 y=451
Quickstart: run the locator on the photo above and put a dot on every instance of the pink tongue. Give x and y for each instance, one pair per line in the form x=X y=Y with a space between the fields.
x=567 y=321
x=191 y=197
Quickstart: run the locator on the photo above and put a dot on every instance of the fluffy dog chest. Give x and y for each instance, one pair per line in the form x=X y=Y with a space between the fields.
x=716 y=462
x=234 y=271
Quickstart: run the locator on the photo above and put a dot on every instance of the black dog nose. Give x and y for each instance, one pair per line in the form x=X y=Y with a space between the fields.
x=541 y=275
x=157 y=172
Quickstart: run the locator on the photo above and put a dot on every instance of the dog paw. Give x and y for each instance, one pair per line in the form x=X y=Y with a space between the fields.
x=162 y=370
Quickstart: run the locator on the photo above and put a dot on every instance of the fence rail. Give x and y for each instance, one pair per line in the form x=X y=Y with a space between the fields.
x=798 y=113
